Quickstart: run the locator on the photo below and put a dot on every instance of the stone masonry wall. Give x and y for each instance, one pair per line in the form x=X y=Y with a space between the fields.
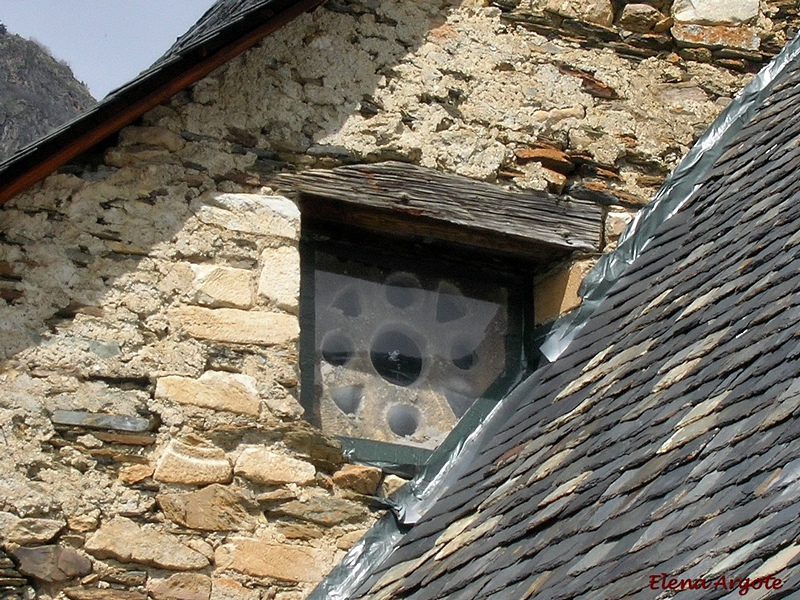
x=153 y=442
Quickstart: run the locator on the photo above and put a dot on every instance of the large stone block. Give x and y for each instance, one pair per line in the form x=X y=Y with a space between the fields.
x=270 y=468
x=594 y=11
x=716 y=36
x=236 y=326
x=193 y=463
x=267 y=559
x=558 y=293
x=214 y=508
x=151 y=136
x=181 y=586
x=29 y=531
x=279 y=282
x=274 y=216
x=214 y=389
x=359 y=478
x=217 y=286
x=124 y=540
x=715 y=12
x=51 y=563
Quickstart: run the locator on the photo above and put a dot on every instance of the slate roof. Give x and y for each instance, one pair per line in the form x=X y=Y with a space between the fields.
x=228 y=28
x=666 y=438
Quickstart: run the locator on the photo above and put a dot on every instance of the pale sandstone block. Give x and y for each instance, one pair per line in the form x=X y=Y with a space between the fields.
x=264 y=559
x=217 y=286
x=715 y=12
x=279 y=282
x=223 y=588
x=594 y=11
x=181 y=586
x=214 y=389
x=236 y=326
x=125 y=541
x=270 y=468
x=193 y=464
x=359 y=478
x=250 y=213
x=558 y=293
x=213 y=508
x=28 y=531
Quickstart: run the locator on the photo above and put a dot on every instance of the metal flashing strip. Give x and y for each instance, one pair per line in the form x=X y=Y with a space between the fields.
x=416 y=498
x=677 y=189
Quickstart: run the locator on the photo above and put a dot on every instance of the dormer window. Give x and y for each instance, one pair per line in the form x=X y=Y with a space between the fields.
x=414 y=302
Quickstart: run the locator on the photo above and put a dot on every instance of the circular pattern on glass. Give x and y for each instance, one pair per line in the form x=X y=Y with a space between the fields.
x=337 y=349
x=396 y=357
x=402 y=289
x=403 y=420
x=463 y=356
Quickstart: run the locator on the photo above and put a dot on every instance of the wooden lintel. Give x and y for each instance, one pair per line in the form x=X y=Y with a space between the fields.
x=96 y=133
x=423 y=202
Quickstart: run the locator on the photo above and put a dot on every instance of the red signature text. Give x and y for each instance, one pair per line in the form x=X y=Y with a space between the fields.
x=662 y=581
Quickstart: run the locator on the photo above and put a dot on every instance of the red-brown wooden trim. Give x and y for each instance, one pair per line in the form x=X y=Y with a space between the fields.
x=135 y=110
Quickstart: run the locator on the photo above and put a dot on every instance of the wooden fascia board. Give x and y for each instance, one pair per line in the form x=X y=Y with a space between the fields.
x=127 y=115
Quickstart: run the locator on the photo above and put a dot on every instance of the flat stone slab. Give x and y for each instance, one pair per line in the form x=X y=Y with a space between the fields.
x=77 y=418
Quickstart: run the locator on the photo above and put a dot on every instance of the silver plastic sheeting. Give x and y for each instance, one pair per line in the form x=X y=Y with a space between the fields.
x=678 y=188
x=444 y=468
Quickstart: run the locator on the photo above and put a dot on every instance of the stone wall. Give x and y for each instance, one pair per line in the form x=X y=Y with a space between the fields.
x=153 y=442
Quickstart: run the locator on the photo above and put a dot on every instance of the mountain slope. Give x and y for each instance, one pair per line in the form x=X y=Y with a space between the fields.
x=37 y=92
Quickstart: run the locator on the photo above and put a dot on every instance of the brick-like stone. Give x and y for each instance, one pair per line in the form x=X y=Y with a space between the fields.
x=77 y=593
x=270 y=468
x=359 y=478
x=213 y=508
x=217 y=286
x=51 y=563
x=279 y=282
x=192 y=462
x=236 y=326
x=250 y=213
x=218 y=390
x=267 y=559
x=131 y=474
x=124 y=540
x=181 y=586
x=28 y=531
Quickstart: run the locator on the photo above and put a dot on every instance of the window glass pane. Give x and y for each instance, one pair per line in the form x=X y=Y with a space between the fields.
x=401 y=355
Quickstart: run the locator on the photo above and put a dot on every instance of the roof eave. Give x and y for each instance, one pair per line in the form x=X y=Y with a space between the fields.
x=37 y=161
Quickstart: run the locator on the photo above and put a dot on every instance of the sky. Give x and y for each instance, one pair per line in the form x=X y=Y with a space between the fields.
x=106 y=42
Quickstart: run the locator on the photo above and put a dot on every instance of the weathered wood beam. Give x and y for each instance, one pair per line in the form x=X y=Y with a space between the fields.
x=408 y=199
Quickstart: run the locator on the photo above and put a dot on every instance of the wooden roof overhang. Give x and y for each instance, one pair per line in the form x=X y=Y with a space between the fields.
x=222 y=34
x=410 y=200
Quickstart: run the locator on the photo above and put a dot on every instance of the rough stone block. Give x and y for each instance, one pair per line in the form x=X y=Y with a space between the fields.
x=181 y=586
x=639 y=17
x=274 y=216
x=266 y=559
x=326 y=511
x=217 y=286
x=359 y=478
x=124 y=540
x=716 y=36
x=78 y=593
x=279 y=282
x=193 y=463
x=223 y=588
x=236 y=326
x=28 y=531
x=214 y=508
x=270 y=468
x=151 y=136
x=594 y=11
x=558 y=293
x=214 y=389
x=51 y=563
x=715 y=12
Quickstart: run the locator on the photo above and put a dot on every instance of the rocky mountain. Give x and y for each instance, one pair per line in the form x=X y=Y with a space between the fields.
x=37 y=92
